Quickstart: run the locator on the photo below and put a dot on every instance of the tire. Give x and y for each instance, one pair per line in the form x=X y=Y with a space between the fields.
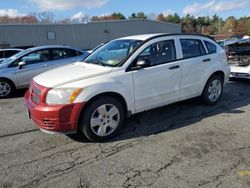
x=213 y=90
x=98 y=123
x=7 y=88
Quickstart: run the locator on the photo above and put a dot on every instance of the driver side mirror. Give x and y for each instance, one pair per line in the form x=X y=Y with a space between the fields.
x=21 y=64
x=141 y=64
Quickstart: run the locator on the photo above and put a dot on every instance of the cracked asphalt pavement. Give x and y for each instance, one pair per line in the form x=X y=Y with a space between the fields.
x=186 y=144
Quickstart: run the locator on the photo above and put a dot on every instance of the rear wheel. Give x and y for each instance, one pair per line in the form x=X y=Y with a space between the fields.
x=213 y=90
x=6 y=88
x=102 y=119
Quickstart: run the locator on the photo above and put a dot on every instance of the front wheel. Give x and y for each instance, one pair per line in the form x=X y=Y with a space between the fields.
x=102 y=119
x=6 y=88
x=213 y=90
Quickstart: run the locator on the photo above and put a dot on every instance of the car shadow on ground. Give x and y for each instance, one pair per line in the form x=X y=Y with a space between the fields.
x=18 y=93
x=181 y=114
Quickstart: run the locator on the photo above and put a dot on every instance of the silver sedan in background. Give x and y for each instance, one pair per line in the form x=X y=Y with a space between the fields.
x=17 y=71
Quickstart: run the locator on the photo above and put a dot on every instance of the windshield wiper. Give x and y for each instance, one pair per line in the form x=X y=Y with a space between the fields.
x=97 y=62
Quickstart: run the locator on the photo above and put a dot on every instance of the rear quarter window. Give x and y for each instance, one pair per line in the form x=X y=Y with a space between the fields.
x=210 y=47
x=73 y=53
x=79 y=53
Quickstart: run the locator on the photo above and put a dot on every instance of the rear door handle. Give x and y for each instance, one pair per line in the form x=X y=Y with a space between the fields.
x=206 y=60
x=174 y=67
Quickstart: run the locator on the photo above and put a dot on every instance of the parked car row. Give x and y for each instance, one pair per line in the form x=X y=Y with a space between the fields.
x=17 y=71
x=122 y=77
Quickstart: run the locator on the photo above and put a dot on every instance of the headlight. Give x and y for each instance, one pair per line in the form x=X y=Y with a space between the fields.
x=62 y=95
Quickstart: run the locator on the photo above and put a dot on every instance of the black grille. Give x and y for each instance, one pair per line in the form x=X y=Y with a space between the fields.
x=35 y=94
x=36 y=91
x=50 y=123
x=35 y=99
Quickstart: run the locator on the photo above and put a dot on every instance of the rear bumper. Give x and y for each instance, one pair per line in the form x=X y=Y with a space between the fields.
x=56 y=118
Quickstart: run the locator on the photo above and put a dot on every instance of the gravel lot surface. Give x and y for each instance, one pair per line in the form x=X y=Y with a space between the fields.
x=186 y=144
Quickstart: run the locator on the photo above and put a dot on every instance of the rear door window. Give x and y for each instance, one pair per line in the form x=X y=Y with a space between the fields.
x=192 y=48
x=59 y=54
x=210 y=47
x=64 y=53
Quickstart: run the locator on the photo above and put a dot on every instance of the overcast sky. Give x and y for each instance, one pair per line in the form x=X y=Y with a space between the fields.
x=79 y=8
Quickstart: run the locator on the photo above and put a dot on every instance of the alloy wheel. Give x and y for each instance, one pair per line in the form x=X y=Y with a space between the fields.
x=214 y=90
x=105 y=119
x=5 y=89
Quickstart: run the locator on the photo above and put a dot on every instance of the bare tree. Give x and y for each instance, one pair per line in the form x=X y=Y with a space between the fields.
x=46 y=17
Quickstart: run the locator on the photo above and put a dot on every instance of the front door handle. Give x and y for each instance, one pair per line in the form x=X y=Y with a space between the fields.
x=206 y=60
x=174 y=67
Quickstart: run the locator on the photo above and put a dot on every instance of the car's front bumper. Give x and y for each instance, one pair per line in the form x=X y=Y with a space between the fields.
x=53 y=118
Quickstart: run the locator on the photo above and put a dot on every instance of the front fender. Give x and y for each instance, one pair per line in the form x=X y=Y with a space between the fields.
x=109 y=85
x=9 y=75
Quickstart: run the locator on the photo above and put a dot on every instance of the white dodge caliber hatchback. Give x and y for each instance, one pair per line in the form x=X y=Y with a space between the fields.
x=124 y=77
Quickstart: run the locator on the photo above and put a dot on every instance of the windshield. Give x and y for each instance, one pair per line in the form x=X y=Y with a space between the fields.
x=14 y=57
x=112 y=53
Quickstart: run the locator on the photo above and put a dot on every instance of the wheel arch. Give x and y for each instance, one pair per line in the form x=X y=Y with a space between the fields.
x=110 y=94
x=4 y=78
x=204 y=91
x=218 y=73
x=104 y=94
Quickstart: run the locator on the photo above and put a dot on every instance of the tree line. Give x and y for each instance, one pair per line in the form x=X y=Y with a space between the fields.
x=211 y=25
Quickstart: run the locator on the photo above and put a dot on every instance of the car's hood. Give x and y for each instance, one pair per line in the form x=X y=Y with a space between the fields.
x=240 y=69
x=70 y=73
